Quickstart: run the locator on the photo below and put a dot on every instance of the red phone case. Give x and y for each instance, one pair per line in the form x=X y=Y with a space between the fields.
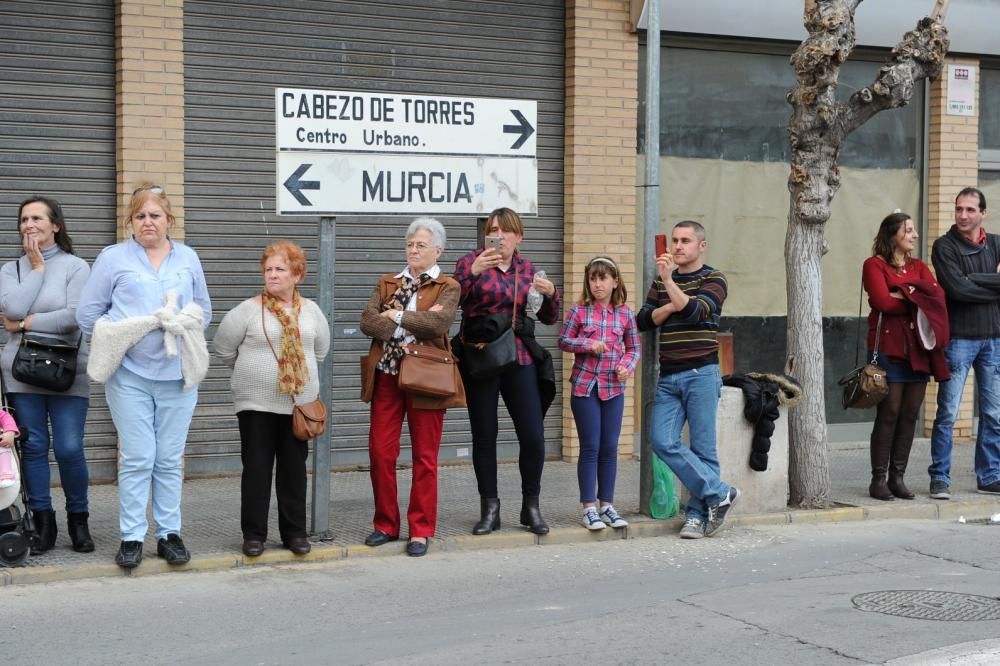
x=661 y=244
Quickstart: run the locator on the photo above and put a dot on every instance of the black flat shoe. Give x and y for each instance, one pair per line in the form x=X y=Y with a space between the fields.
x=253 y=548
x=416 y=548
x=378 y=538
x=173 y=550
x=129 y=554
x=298 y=545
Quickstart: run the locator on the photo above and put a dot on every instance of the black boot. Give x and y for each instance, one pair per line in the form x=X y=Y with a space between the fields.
x=531 y=517
x=880 y=449
x=45 y=531
x=897 y=468
x=489 y=511
x=79 y=532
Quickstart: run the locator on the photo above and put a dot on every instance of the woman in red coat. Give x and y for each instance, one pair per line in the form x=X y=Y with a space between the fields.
x=910 y=346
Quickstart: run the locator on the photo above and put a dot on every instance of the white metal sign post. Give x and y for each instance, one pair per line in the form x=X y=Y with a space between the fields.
x=377 y=153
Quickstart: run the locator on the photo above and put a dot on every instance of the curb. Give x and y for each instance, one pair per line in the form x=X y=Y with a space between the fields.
x=639 y=528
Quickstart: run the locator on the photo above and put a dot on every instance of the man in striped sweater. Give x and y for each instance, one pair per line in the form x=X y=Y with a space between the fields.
x=684 y=305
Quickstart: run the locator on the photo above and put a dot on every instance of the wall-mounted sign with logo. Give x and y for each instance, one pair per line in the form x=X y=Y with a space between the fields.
x=961 y=90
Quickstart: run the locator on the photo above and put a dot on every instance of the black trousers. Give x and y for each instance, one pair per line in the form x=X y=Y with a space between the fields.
x=266 y=437
x=519 y=389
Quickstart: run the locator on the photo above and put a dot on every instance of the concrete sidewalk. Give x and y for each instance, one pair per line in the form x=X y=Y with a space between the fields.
x=212 y=532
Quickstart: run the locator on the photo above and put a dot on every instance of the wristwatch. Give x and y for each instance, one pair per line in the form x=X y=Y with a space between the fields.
x=398 y=318
x=20 y=326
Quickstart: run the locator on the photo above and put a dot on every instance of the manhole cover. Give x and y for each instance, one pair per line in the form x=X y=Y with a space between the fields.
x=930 y=605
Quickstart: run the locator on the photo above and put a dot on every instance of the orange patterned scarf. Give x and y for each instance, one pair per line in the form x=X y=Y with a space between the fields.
x=292 y=370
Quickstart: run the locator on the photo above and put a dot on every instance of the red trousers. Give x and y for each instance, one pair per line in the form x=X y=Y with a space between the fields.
x=388 y=407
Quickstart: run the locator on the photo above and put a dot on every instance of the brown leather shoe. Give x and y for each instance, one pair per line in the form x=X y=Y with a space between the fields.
x=252 y=547
x=298 y=545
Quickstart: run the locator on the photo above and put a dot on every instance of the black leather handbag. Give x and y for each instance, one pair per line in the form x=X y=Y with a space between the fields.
x=484 y=360
x=45 y=363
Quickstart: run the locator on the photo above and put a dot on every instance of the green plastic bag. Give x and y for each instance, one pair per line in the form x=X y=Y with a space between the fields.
x=663 y=501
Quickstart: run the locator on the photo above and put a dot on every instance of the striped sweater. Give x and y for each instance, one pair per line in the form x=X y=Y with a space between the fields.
x=687 y=339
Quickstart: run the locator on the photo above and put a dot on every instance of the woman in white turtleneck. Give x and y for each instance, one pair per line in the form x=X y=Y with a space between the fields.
x=38 y=294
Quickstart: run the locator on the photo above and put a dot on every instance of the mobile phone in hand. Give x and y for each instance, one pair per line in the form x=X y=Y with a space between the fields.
x=661 y=244
x=493 y=242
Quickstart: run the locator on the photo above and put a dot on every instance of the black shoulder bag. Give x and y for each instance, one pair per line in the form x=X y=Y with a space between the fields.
x=483 y=360
x=43 y=362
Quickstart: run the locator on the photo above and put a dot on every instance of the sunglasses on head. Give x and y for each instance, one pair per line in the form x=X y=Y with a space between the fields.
x=155 y=189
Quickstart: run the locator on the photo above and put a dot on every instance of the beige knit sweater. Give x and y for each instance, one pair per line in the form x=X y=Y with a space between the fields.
x=240 y=344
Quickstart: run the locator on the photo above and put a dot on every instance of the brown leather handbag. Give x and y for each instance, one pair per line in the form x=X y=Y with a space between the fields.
x=308 y=420
x=428 y=371
x=865 y=386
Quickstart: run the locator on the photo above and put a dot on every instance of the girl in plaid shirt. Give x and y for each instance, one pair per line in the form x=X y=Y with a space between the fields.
x=601 y=331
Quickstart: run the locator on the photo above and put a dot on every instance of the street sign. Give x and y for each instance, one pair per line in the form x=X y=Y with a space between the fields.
x=372 y=184
x=365 y=153
x=358 y=122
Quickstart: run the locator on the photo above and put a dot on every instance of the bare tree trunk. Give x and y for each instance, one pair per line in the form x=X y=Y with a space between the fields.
x=818 y=127
x=809 y=471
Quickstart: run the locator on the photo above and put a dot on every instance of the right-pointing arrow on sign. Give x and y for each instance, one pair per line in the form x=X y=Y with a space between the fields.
x=295 y=185
x=524 y=129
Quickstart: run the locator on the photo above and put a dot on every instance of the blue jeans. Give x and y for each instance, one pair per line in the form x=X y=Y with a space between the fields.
x=152 y=419
x=598 y=424
x=692 y=396
x=983 y=356
x=67 y=415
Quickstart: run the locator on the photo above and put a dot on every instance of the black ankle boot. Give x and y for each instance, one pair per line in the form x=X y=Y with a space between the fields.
x=79 y=532
x=489 y=511
x=45 y=531
x=531 y=516
x=896 y=485
x=879 y=489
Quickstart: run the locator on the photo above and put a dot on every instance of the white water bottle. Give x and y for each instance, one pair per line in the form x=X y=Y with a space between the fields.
x=535 y=299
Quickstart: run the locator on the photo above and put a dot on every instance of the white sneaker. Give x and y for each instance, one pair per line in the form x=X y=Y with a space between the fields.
x=611 y=517
x=591 y=520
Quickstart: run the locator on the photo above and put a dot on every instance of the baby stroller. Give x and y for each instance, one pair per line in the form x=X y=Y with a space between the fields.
x=16 y=527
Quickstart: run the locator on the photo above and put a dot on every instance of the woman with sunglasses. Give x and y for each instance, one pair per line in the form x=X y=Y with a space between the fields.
x=146 y=307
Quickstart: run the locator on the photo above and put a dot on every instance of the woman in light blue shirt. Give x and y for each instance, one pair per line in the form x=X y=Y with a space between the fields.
x=146 y=307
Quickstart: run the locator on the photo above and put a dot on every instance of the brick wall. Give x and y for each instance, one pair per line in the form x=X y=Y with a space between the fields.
x=149 y=101
x=600 y=164
x=953 y=161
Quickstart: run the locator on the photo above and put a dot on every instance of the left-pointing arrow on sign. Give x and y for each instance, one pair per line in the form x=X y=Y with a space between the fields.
x=524 y=129
x=295 y=185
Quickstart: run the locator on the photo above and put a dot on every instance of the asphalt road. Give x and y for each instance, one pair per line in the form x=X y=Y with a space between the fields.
x=767 y=595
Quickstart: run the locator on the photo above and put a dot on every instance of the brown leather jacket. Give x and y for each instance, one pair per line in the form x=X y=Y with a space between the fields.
x=428 y=327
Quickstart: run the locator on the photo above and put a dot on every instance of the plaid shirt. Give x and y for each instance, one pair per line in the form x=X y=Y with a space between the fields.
x=492 y=291
x=616 y=327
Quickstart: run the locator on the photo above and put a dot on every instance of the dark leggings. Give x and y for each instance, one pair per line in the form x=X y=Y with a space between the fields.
x=519 y=389
x=896 y=422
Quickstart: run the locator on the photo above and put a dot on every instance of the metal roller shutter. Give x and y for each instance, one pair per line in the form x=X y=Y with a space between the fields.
x=57 y=138
x=236 y=53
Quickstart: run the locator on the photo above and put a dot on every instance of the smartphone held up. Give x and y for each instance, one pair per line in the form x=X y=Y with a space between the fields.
x=661 y=244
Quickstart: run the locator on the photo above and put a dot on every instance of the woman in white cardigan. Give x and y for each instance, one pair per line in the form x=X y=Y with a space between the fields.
x=274 y=342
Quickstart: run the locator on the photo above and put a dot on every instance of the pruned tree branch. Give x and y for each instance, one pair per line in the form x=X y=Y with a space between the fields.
x=919 y=56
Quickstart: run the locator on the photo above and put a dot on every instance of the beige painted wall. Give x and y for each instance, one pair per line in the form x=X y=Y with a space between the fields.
x=744 y=206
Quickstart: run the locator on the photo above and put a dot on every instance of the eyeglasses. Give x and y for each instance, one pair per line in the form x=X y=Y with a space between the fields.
x=155 y=189
x=420 y=247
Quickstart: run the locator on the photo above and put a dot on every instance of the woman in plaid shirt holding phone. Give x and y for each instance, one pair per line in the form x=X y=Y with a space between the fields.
x=601 y=331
